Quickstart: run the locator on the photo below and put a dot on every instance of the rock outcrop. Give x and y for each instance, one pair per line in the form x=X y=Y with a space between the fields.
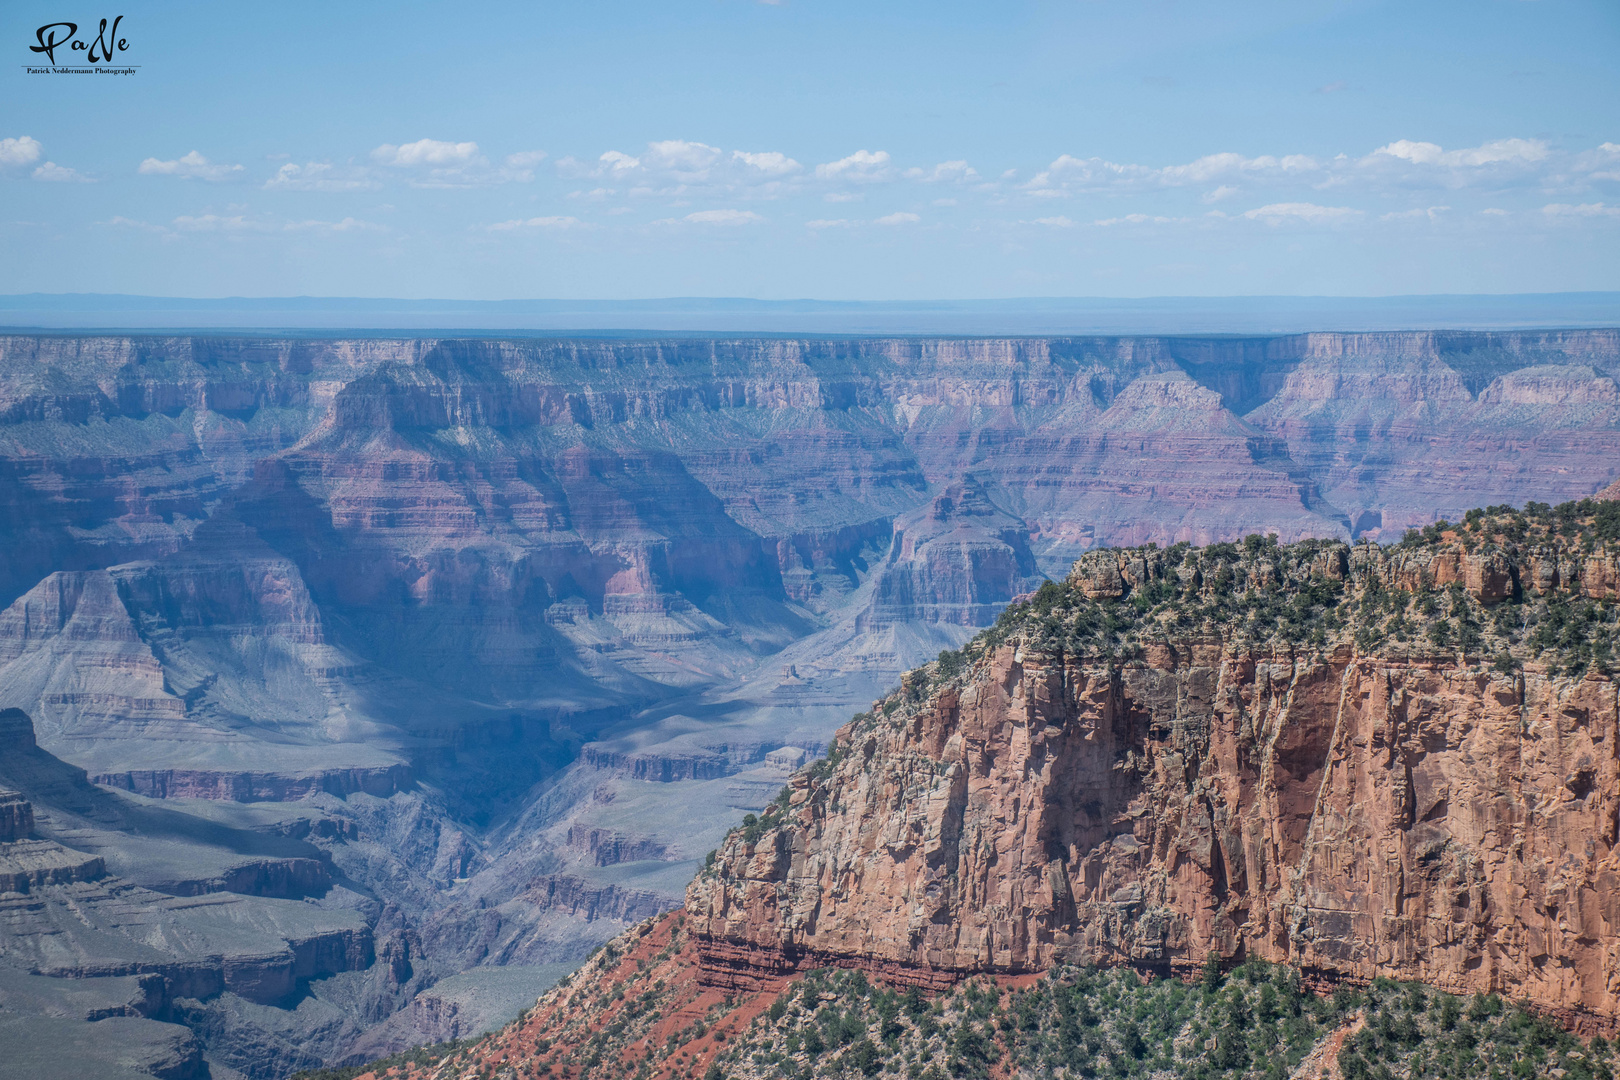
x=238 y=785
x=27 y=862
x=16 y=817
x=1358 y=761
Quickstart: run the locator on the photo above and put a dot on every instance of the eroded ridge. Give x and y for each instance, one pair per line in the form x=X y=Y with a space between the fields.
x=1358 y=761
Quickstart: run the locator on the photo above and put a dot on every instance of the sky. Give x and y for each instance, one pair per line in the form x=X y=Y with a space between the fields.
x=872 y=150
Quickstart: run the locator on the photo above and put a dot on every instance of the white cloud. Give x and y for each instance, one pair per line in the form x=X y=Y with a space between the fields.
x=828 y=223
x=944 y=172
x=1058 y=222
x=1214 y=166
x=685 y=162
x=235 y=223
x=52 y=172
x=899 y=217
x=239 y=224
x=1600 y=164
x=432 y=163
x=1589 y=210
x=1394 y=167
x=723 y=217
x=613 y=164
x=1134 y=219
x=1527 y=164
x=863 y=166
x=1494 y=211
x=20 y=152
x=1067 y=174
x=430 y=153
x=347 y=225
x=682 y=170
x=1277 y=213
x=535 y=223
x=944 y=202
x=1432 y=213
x=1496 y=152
x=320 y=176
x=191 y=166
x=519 y=167
x=130 y=223
x=843 y=196
x=771 y=163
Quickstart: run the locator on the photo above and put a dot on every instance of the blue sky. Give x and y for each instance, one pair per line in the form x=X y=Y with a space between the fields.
x=873 y=150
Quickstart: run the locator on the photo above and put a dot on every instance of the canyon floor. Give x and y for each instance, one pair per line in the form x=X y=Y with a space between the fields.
x=364 y=686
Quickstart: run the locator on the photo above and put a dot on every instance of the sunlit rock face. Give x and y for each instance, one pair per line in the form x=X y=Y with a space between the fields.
x=1305 y=754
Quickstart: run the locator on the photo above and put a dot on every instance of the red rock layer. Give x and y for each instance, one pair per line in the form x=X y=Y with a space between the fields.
x=641 y=1012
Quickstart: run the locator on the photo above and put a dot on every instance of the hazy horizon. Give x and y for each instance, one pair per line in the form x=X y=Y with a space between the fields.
x=329 y=316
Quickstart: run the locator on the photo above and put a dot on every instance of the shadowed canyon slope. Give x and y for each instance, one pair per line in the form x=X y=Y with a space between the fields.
x=509 y=632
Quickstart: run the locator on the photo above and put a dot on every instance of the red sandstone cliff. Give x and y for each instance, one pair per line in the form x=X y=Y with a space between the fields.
x=1336 y=791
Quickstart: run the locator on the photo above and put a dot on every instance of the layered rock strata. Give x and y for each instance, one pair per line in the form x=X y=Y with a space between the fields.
x=155 y=917
x=27 y=862
x=1356 y=760
x=16 y=816
x=460 y=599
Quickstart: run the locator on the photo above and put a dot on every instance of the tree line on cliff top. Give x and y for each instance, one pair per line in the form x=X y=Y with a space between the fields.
x=1270 y=595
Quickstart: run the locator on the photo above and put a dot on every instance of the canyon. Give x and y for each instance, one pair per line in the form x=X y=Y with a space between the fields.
x=467 y=650
x=1273 y=767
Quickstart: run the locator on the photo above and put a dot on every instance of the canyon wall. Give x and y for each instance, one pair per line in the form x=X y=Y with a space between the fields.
x=445 y=610
x=1365 y=805
x=381 y=547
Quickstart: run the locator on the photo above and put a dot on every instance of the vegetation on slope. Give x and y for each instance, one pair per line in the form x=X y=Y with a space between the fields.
x=420 y=1055
x=1256 y=1023
x=632 y=1013
x=1272 y=595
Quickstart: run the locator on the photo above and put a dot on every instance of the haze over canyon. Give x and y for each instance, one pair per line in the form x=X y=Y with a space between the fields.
x=357 y=688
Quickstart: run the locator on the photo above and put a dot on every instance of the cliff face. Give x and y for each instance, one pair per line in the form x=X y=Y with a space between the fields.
x=1258 y=753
